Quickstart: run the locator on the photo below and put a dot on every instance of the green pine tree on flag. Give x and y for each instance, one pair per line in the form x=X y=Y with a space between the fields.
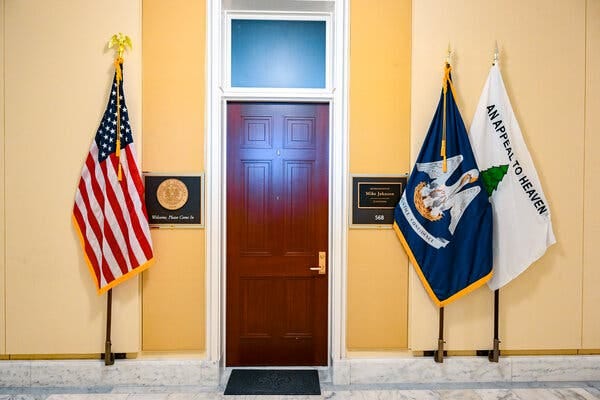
x=491 y=177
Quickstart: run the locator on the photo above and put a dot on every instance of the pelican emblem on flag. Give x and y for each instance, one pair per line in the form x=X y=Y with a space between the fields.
x=436 y=196
x=444 y=217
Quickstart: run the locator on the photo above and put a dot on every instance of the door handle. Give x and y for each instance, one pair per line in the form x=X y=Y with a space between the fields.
x=322 y=268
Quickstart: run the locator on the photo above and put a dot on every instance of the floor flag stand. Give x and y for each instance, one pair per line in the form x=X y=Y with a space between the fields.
x=494 y=354
x=438 y=355
x=109 y=357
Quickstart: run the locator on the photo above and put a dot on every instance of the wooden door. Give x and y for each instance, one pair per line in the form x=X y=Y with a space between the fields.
x=277 y=223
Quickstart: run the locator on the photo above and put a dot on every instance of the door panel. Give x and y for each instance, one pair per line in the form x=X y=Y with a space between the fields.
x=297 y=222
x=277 y=222
x=257 y=237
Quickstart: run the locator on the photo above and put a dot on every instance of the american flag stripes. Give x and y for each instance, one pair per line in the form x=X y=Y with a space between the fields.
x=109 y=213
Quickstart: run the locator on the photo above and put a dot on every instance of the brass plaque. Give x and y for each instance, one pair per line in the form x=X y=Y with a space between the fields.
x=174 y=201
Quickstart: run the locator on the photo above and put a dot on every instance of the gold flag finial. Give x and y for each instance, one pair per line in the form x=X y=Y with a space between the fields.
x=122 y=42
x=448 y=54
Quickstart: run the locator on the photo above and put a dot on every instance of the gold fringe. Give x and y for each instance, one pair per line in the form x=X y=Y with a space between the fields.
x=447 y=80
x=424 y=281
x=115 y=282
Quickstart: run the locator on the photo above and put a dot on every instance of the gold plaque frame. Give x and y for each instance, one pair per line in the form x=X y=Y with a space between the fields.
x=174 y=200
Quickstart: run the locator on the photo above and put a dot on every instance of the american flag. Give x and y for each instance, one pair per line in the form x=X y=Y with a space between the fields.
x=109 y=213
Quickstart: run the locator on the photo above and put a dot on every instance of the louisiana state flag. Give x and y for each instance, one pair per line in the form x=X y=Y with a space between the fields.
x=444 y=218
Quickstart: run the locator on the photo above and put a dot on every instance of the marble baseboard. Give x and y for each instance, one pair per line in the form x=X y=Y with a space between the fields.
x=419 y=370
x=341 y=373
x=425 y=370
x=15 y=374
x=92 y=373
x=566 y=368
x=373 y=371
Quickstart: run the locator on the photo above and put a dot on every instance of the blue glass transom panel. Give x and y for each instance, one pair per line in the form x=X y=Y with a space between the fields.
x=277 y=54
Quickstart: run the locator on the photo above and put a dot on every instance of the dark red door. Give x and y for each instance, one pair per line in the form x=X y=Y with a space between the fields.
x=277 y=223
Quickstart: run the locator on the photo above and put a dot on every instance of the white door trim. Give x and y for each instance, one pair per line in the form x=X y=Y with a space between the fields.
x=216 y=98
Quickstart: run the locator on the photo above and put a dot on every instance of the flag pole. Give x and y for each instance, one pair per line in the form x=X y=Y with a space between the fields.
x=494 y=354
x=438 y=355
x=109 y=357
x=121 y=42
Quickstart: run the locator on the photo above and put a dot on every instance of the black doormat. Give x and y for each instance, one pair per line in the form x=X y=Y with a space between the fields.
x=273 y=382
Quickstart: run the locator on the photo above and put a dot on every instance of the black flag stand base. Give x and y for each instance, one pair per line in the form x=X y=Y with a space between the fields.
x=438 y=355
x=109 y=357
x=494 y=354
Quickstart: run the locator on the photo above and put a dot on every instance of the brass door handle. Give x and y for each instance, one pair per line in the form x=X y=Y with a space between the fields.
x=322 y=268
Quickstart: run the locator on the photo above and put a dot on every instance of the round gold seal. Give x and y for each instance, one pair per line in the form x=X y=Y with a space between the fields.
x=172 y=194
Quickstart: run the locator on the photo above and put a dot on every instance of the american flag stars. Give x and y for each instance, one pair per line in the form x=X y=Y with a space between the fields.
x=107 y=132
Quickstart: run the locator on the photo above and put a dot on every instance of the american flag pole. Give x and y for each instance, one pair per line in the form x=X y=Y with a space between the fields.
x=109 y=357
x=109 y=213
x=121 y=41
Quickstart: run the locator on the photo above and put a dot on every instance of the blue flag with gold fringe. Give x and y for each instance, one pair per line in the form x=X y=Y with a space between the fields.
x=444 y=218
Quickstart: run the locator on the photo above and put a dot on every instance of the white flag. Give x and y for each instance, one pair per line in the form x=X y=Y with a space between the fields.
x=522 y=225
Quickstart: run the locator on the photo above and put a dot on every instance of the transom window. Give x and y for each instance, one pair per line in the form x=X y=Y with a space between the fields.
x=278 y=53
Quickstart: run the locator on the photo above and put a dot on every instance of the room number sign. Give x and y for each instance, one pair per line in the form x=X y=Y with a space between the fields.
x=374 y=199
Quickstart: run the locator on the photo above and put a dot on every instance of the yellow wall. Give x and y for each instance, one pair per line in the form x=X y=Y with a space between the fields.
x=2 y=226
x=591 y=251
x=379 y=144
x=57 y=76
x=542 y=50
x=173 y=122
x=173 y=141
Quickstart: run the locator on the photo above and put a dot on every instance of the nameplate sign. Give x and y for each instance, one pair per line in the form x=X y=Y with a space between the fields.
x=374 y=199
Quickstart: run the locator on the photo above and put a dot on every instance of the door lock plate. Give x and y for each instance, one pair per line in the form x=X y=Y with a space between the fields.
x=322 y=268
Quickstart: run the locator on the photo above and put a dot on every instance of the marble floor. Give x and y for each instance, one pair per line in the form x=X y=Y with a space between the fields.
x=475 y=391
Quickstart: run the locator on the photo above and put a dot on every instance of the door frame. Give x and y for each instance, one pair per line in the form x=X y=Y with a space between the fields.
x=336 y=95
